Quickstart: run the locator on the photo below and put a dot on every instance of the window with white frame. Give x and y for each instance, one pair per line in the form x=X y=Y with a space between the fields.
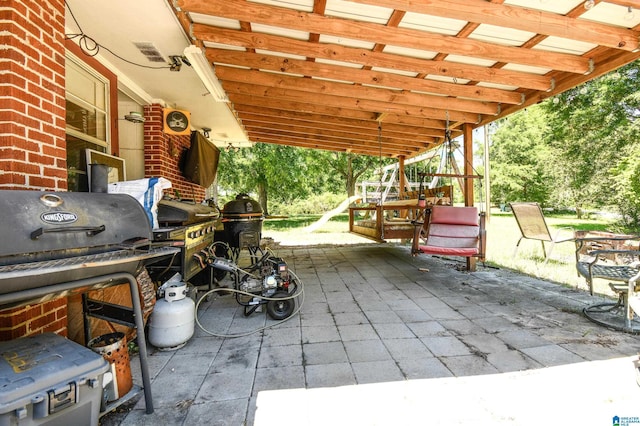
x=87 y=118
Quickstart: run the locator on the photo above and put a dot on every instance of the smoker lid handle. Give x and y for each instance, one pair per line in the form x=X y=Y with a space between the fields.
x=89 y=230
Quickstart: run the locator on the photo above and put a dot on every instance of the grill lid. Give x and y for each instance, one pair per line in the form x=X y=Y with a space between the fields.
x=54 y=225
x=173 y=212
x=242 y=206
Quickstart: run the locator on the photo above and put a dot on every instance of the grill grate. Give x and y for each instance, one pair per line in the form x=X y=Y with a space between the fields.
x=22 y=276
x=68 y=262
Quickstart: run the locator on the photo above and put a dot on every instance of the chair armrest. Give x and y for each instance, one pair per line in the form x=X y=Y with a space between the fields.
x=582 y=244
x=563 y=229
x=596 y=239
x=614 y=251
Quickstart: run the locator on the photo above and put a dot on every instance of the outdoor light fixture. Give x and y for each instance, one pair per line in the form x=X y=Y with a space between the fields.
x=203 y=68
x=176 y=63
x=589 y=4
x=134 y=117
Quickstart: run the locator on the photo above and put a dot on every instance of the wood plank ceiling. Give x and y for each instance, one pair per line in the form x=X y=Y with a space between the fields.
x=387 y=77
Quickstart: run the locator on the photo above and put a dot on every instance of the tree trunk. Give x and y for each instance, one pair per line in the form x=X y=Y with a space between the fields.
x=262 y=197
x=351 y=179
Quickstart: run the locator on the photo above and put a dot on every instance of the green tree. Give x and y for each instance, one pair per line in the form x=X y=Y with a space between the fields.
x=347 y=168
x=520 y=159
x=265 y=170
x=595 y=140
x=284 y=174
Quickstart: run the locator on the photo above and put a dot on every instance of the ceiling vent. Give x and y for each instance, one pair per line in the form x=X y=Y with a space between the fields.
x=150 y=51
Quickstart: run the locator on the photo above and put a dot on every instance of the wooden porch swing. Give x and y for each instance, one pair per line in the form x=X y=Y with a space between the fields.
x=449 y=230
x=389 y=220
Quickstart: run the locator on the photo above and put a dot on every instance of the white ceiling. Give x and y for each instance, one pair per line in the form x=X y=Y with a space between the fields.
x=116 y=25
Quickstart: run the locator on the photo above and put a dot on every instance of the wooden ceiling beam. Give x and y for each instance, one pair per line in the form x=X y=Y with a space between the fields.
x=345 y=122
x=367 y=58
x=392 y=122
x=520 y=18
x=295 y=128
x=419 y=123
x=310 y=142
x=236 y=80
x=260 y=94
x=241 y=101
x=372 y=145
x=332 y=123
x=370 y=32
x=355 y=75
x=327 y=147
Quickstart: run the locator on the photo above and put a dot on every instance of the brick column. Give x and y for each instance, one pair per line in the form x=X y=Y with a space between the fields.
x=32 y=127
x=32 y=116
x=162 y=155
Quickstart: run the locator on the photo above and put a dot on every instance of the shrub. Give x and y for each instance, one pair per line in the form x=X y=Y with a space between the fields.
x=315 y=204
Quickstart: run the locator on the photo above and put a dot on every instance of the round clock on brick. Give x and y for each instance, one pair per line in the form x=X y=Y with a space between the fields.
x=176 y=122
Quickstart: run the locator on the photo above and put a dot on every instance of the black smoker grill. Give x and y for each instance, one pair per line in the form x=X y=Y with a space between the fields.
x=61 y=243
x=242 y=219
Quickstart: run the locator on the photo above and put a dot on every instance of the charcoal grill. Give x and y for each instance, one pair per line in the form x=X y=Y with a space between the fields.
x=59 y=237
x=242 y=219
x=62 y=243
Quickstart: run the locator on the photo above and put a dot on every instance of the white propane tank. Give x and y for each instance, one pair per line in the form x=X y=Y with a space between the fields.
x=172 y=321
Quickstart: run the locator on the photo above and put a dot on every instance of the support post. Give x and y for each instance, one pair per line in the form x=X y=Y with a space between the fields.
x=467 y=131
x=487 y=184
x=402 y=182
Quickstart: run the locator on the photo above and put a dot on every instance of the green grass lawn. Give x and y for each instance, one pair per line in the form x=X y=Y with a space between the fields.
x=502 y=236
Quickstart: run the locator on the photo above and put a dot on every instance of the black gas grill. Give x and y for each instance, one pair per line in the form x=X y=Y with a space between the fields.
x=56 y=237
x=191 y=227
x=62 y=243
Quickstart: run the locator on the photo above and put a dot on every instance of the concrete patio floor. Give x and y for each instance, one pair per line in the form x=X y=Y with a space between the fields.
x=392 y=339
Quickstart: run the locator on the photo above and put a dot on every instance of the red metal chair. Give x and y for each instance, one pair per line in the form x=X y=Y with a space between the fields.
x=450 y=231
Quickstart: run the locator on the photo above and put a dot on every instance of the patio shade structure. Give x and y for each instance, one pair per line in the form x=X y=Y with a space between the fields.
x=327 y=74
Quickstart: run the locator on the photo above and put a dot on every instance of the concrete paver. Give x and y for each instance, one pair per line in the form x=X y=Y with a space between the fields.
x=372 y=323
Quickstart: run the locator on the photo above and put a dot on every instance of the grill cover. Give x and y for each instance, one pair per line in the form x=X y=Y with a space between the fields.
x=54 y=225
x=201 y=162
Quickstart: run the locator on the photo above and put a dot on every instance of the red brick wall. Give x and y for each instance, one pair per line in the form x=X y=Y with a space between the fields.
x=34 y=319
x=162 y=154
x=32 y=117
x=32 y=128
